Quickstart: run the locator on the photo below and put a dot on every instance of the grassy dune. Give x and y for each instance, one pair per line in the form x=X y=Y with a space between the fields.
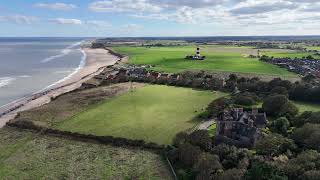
x=153 y=113
x=25 y=155
x=219 y=58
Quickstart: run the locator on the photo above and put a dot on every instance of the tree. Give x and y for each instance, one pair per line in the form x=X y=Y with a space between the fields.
x=305 y=161
x=207 y=166
x=279 y=105
x=274 y=145
x=307 y=136
x=202 y=139
x=306 y=117
x=231 y=174
x=264 y=171
x=189 y=154
x=280 y=125
x=311 y=175
x=280 y=90
x=231 y=157
x=180 y=138
x=309 y=78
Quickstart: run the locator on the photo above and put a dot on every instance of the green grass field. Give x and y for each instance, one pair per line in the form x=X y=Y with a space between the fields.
x=24 y=155
x=153 y=113
x=292 y=54
x=313 y=48
x=307 y=106
x=219 y=58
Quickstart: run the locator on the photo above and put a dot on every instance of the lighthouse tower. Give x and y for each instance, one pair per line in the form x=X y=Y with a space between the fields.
x=198 y=52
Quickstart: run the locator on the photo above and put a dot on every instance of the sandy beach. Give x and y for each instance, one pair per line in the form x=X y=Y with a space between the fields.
x=96 y=59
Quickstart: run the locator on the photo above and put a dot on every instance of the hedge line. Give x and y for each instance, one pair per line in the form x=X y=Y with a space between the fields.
x=107 y=140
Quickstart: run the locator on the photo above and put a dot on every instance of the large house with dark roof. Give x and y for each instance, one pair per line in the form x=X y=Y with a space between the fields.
x=242 y=127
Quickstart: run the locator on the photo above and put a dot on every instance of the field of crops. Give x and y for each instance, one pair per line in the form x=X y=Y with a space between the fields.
x=153 y=113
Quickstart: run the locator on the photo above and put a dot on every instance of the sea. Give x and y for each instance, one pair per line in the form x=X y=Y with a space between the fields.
x=30 y=65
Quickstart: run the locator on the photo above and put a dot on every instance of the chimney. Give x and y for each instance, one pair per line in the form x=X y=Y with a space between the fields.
x=250 y=123
x=255 y=111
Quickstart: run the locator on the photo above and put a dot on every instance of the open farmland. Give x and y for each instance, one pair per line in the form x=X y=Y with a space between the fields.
x=286 y=53
x=219 y=58
x=25 y=155
x=152 y=113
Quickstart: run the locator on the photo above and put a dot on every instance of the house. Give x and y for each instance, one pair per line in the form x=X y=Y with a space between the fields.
x=241 y=126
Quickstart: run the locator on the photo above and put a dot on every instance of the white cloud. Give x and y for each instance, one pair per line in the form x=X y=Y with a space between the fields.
x=19 y=19
x=124 y=6
x=66 y=21
x=188 y=15
x=188 y=3
x=56 y=6
x=132 y=27
x=262 y=6
x=97 y=23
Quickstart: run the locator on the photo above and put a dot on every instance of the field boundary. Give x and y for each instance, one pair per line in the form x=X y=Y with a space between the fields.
x=106 y=140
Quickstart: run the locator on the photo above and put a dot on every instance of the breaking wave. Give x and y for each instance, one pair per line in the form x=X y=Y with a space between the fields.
x=5 y=81
x=63 y=53
x=81 y=65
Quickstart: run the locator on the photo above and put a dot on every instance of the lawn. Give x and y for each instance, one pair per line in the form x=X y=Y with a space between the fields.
x=307 y=106
x=153 y=113
x=24 y=155
x=219 y=58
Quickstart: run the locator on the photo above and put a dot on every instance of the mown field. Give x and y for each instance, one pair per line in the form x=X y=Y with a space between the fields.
x=24 y=155
x=153 y=113
x=219 y=58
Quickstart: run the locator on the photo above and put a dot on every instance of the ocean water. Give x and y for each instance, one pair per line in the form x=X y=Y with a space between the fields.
x=28 y=65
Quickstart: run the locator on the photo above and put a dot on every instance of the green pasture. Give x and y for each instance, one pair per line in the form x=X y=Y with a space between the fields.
x=307 y=106
x=313 y=48
x=219 y=58
x=153 y=113
x=287 y=53
x=24 y=155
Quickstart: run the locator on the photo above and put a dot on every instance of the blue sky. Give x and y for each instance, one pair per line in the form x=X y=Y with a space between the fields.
x=114 y=18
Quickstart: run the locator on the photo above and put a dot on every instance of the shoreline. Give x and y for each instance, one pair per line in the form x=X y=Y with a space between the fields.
x=93 y=63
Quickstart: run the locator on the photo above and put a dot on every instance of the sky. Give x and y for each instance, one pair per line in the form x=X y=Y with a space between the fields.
x=158 y=18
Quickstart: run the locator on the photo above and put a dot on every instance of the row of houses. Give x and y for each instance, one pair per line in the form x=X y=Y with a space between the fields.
x=143 y=74
x=298 y=65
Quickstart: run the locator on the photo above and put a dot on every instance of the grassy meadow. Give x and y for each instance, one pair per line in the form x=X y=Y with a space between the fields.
x=219 y=58
x=307 y=106
x=153 y=113
x=24 y=155
x=286 y=53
